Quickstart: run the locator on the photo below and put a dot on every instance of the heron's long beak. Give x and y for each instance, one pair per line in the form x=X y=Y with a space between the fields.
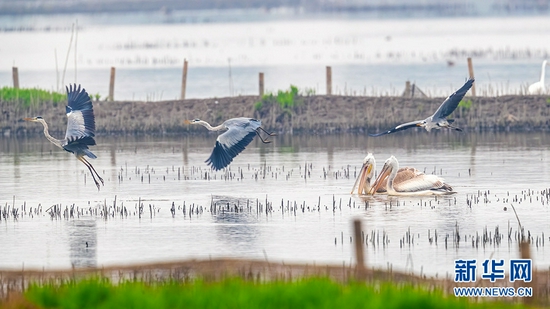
x=384 y=174
x=187 y=121
x=30 y=119
x=362 y=178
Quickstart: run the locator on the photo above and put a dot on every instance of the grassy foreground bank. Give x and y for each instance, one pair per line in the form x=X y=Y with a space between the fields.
x=313 y=292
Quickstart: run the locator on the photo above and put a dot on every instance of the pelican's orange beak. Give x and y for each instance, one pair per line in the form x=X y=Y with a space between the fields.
x=359 y=179
x=362 y=179
x=384 y=174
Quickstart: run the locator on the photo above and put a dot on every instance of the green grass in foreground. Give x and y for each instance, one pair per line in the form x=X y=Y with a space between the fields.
x=30 y=97
x=238 y=293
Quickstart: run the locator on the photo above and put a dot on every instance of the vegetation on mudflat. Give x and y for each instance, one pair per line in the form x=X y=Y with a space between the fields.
x=239 y=293
x=287 y=100
x=27 y=97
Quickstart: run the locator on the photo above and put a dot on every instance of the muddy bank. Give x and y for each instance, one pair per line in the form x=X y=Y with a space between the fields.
x=313 y=114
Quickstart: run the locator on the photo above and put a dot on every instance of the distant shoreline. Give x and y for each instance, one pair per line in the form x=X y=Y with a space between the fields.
x=395 y=9
x=318 y=114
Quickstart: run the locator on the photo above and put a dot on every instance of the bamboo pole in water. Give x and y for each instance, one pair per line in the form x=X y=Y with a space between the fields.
x=184 y=80
x=471 y=73
x=261 y=84
x=329 y=80
x=359 y=255
x=407 y=92
x=112 y=85
x=15 y=74
x=525 y=253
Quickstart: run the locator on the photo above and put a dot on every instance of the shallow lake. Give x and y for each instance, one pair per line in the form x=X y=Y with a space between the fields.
x=368 y=56
x=286 y=201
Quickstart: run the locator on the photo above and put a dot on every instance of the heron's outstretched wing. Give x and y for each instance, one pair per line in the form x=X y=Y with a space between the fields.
x=400 y=127
x=231 y=143
x=451 y=103
x=80 y=114
x=80 y=122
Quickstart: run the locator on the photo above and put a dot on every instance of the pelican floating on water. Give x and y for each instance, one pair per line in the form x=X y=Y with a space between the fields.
x=416 y=183
x=439 y=118
x=539 y=87
x=366 y=176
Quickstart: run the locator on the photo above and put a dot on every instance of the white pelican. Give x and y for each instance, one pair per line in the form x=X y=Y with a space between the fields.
x=439 y=118
x=417 y=183
x=240 y=132
x=366 y=176
x=539 y=87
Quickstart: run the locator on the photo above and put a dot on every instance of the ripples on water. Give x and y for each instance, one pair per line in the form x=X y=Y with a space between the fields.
x=287 y=201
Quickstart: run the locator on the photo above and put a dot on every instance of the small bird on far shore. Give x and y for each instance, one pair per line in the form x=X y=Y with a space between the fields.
x=539 y=87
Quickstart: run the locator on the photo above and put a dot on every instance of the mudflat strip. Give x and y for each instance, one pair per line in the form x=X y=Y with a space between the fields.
x=317 y=114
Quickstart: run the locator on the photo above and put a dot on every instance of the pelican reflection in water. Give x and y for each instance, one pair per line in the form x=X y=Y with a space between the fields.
x=416 y=182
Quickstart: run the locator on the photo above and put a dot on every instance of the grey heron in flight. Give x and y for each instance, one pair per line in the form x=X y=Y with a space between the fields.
x=240 y=132
x=416 y=183
x=80 y=128
x=439 y=118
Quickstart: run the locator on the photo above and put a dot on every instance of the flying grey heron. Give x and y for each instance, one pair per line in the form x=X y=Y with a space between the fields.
x=80 y=128
x=417 y=183
x=366 y=176
x=240 y=132
x=539 y=87
x=439 y=118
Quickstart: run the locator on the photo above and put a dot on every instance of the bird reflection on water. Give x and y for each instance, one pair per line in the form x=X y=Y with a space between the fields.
x=82 y=243
x=235 y=223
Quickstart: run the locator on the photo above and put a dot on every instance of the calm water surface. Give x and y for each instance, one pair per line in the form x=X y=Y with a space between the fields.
x=368 y=56
x=306 y=180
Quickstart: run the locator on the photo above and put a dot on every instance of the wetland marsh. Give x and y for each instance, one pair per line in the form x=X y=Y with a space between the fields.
x=288 y=201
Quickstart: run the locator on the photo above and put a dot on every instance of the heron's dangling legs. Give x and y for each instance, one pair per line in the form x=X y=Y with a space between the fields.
x=455 y=128
x=449 y=126
x=96 y=173
x=92 y=171
x=268 y=133
x=261 y=138
x=265 y=141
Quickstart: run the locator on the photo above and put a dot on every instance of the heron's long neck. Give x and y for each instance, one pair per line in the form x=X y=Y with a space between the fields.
x=211 y=128
x=52 y=139
x=543 y=73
